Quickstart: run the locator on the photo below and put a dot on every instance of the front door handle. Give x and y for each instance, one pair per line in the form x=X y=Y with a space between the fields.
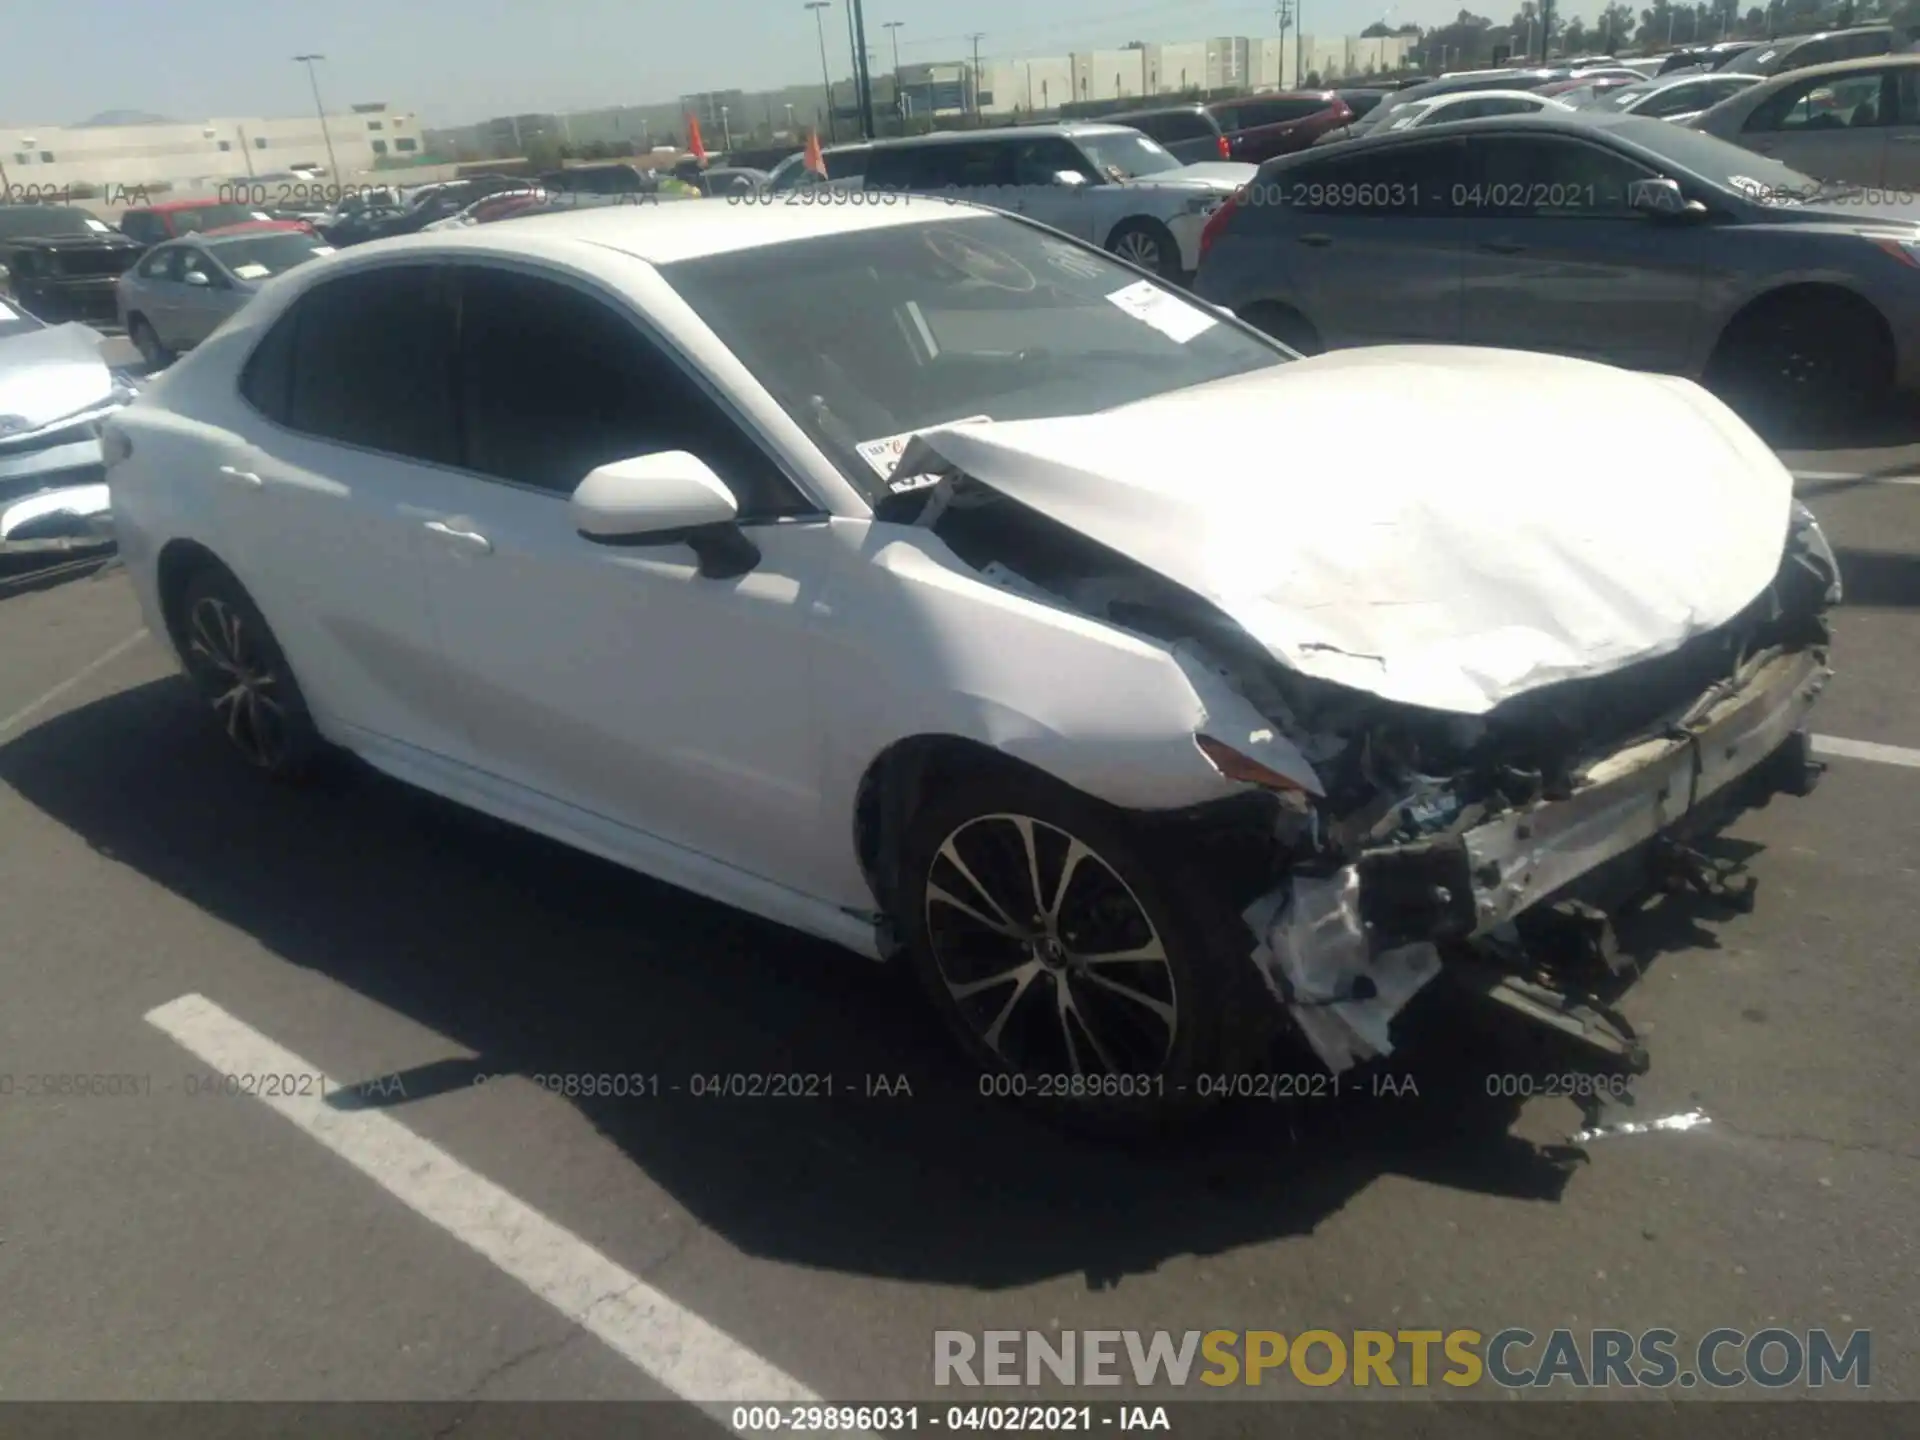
x=1502 y=247
x=1317 y=240
x=471 y=539
x=248 y=477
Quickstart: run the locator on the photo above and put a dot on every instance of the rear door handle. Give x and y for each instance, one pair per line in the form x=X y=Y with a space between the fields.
x=1502 y=247
x=1317 y=240
x=471 y=539
x=247 y=477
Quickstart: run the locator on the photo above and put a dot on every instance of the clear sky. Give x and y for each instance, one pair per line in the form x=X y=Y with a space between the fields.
x=454 y=61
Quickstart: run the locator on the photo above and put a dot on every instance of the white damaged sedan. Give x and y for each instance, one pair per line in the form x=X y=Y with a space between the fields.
x=933 y=583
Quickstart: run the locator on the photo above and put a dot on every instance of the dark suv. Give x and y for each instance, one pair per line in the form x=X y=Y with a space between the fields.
x=1189 y=133
x=614 y=179
x=62 y=263
x=1263 y=126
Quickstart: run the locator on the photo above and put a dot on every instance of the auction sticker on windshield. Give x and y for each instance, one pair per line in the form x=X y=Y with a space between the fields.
x=250 y=272
x=1171 y=316
x=884 y=454
x=99 y=225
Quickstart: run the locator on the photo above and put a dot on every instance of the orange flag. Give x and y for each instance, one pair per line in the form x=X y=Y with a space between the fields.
x=815 y=161
x=693 y=140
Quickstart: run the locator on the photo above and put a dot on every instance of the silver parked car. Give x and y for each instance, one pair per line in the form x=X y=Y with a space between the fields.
x=55 y=390
x=1857 y=120
x=1676 y=98
x=1610 y=237
x=182 y=291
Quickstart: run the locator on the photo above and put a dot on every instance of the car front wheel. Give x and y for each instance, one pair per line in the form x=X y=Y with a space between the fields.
x=1082 y=972
x=237 y=665
x=1148 y=244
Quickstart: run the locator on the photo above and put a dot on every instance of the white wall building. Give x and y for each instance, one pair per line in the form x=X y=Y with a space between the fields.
x=53 y=157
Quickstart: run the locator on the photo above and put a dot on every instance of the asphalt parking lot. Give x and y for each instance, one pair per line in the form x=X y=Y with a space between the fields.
x=444 y=1229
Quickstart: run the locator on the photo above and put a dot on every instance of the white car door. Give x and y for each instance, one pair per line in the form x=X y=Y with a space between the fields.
x=621 y=680
x=334 y=465
x=1829 y=128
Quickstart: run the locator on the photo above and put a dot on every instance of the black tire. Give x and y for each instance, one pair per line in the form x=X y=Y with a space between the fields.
x=147 y=341
x=1804 y=359
x=1148 y=1049
x=236 y=664
x=1287 y=325
x=1148 y=244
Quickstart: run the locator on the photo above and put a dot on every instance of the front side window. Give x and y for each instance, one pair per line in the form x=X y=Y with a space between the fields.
x=911 y=326
x=1038 y=162
x=192 y=262
x=259 y=257
x=155 y=266
x=554 y=382
x=1548 y=177
x=1818 y=104
x=371 y=363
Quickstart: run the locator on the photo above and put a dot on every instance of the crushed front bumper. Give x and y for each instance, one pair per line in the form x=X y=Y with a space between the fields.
x=1345 y=952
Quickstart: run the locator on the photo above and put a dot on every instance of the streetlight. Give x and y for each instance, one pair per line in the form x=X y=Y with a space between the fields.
x=726 y=132
x=333 y=166
x=826 y=76
x=898 y=107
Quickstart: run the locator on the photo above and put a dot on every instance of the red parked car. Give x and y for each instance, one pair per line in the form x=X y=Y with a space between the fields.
x=1262 y=126
x=150 y=224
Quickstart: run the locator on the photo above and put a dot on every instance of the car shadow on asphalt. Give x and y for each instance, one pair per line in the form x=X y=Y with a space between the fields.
x=1878 y=579
x=541 y=960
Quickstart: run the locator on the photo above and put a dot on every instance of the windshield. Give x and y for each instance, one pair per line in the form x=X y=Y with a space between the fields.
x=213 y=217
x=259 y=257
x=16 y=322
x=20 y=221
x=869 y=336
x=1757 y=61
x=1126 y=154
x=1623 y=98
x=1726 y=165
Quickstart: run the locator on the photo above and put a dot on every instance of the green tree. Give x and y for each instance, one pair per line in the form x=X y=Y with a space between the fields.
x=1378 y=30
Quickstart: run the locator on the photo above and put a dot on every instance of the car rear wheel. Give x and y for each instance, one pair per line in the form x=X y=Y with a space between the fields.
x=147 y=341
x=1085 y=975
x=1285 y=324
x=1807 y=358
x=1148 y=244
x=237 y=665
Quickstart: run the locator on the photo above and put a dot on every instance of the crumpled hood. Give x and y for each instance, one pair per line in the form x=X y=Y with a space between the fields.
x=47 y=375
x=1413 y=521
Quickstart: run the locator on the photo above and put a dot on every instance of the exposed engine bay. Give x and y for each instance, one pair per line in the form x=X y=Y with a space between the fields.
x=1494 y=846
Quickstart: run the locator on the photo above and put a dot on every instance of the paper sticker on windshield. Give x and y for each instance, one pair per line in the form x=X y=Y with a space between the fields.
x=323 y=249
x=100 y=226
x=250 y=272
x=884 y=454
x=1164 y=311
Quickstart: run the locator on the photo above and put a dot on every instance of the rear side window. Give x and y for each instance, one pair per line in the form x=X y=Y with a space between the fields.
x=1249 y=114
x=1852 y=102
x=267 y=380
x=846 y=164
x=1406 y=181
x=373 y=363
x=1173 y=127
x=939 y=167
x=144 y=226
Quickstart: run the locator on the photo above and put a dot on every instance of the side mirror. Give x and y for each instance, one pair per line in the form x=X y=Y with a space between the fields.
x=1662 y=198
x=196 y=277
x=1071 y=179
x=671 y=498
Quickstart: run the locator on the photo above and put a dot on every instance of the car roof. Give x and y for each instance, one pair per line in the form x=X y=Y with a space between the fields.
x=1846 y=67
x=1068 y=128
x=167 y=207
x=686 y=230
x=1193 y=107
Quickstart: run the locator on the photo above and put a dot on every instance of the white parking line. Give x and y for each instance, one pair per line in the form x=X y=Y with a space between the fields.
x=1866 y=750
x=32 y=708
x=675 y=1347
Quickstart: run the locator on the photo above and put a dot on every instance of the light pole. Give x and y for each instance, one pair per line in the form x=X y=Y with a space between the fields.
x=826 y=76
x=726 y=132
x=898 y=105
x=864 y=76
x=973 y=76
x=333 y=166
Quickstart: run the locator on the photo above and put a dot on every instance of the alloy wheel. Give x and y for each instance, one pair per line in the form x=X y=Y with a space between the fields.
x=1140 y=248
x=1047 y=954
x=246 y=691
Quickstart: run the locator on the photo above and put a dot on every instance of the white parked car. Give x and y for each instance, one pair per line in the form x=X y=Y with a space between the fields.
x=932 y=583
x=1471 y=105
x=1100 y=182
x=1677 y=98
x=1856 y=121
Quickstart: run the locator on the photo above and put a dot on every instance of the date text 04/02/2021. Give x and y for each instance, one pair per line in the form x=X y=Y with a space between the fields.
x=962 y=1419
